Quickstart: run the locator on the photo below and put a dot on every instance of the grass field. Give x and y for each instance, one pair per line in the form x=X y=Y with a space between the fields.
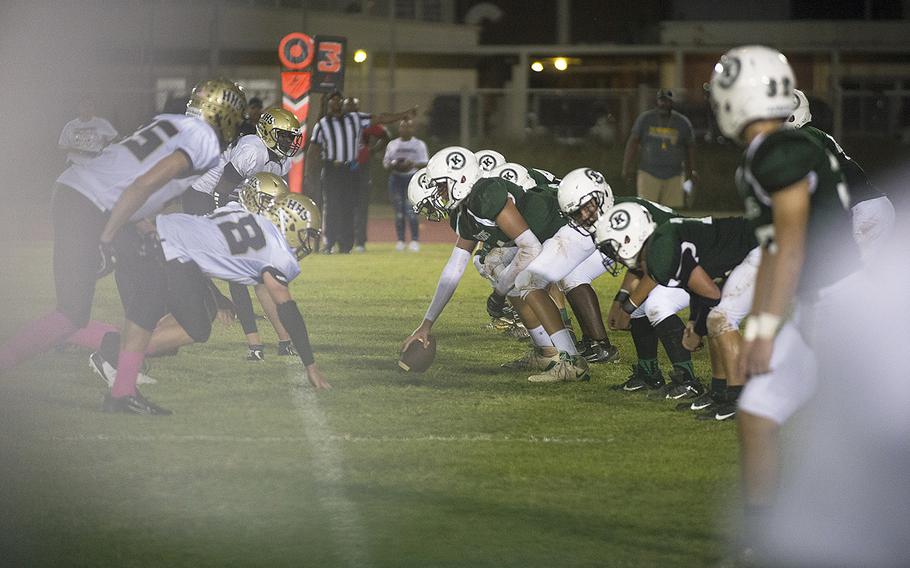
x=465 y=465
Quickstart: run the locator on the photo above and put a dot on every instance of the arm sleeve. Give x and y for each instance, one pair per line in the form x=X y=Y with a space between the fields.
x=290 y=318
x=245 y=160
x=528 y=249
x=786 y=162
x=448 y=281
x=230 y=179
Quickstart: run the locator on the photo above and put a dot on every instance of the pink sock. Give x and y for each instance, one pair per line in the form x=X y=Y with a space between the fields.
x=127 y=374
x=36 y=337
x=90 y=335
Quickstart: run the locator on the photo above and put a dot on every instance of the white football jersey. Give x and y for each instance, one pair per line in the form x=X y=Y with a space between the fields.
x=230 y=244
x=249 y=155
x=104 y=178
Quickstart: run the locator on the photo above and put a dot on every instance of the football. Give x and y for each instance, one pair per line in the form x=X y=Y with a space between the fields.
x=416 y=358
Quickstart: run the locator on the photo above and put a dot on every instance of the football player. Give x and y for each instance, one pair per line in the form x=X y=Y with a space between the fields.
x=488 y=160
x=277 y=140
x=692 y=254
x=496 y=211
x=130 y=180
x=583 y=201
x=798 y=202
x=873 y=212
x=259 y=247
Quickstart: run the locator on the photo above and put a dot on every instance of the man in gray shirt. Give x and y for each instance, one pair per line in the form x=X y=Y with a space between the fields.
x=663 y=143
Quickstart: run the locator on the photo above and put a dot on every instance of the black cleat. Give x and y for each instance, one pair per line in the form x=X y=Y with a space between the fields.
x=719 y=412
x=680 y=386
x=705 y=401
x=255 y=353
x=286 y=349
x=599 y=352
x=640 y=382
x=137 y=404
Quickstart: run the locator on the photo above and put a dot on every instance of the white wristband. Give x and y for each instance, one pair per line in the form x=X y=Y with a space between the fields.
x=761 y=326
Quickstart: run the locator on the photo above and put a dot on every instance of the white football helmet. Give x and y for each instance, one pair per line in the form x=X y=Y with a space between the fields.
x=575 y=191
x=515 y=173
x=622 y=231
x=488 y=160
x=454 y=171
x=801 y=115
x=422 y=193
x=750 y=83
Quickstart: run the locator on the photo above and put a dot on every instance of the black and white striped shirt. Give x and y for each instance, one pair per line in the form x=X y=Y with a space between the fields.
x=339 y=136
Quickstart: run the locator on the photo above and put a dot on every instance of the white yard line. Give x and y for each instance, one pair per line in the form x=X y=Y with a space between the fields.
x=466 y=439
x=326 y=467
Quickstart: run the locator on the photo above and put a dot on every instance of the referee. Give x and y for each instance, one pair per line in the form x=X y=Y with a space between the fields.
x=336 y=137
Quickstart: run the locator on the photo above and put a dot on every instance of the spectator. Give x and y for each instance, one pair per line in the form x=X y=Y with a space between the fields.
x=85 y=136
x=404 y=156
x=335 y=139
x=665 y=141
x=253 y=111
x=372 y=139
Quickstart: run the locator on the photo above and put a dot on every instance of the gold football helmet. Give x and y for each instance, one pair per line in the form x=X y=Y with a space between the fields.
x=221 y=103
x=280 y=130
x=299 y=219
x=260 y=193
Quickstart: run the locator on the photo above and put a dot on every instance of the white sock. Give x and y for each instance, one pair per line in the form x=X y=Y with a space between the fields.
x=563 y=341
x=540 y=337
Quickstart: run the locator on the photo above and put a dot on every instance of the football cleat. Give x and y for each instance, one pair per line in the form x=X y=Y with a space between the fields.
x=533 y=360
x=680 y=386
x=638 y=381
x=599 y=351
x=108 y=373
x=133 y=404
x=255 y=353
x=570 y=368
x=286 y=349
x=705 y=401
x=719 y=413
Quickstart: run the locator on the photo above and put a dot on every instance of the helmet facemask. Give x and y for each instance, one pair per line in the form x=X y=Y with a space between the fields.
x=610 y=249
x=593 y=205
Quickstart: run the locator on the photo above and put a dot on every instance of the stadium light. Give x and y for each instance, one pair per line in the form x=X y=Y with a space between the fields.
x=537 y=67
x=360 y=56
x=561 y=63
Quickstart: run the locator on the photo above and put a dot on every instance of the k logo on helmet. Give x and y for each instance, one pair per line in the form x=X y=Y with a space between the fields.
x=487 y=162
x=509 y=175
x=455 y=160
x=424 y=180
x=594 y=176
x=729 y=72
x=619 y=220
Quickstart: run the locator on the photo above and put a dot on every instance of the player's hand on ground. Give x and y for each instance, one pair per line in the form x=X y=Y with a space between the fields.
x=691 y=340
x=617 y=319
x=107 y=259
x=316 y=379
x=495 y=305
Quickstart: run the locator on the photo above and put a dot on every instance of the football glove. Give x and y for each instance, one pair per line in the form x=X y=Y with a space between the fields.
x=107 y=258
x=496 y=305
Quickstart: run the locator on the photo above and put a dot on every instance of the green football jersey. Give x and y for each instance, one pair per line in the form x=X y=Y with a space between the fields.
x=475 y=217
x=861 y=189
x=659 y=213
x=543 y=178
x=678 y=246
x=779 y=160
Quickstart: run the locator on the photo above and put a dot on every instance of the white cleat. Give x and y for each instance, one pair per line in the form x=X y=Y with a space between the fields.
x=570 y=368
x=399 y=246
x=533 y=360
x=414 y=246
x=108 y=373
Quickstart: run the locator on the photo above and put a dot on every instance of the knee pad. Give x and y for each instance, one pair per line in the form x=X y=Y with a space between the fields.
x=719 y=324
x=527 y=281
